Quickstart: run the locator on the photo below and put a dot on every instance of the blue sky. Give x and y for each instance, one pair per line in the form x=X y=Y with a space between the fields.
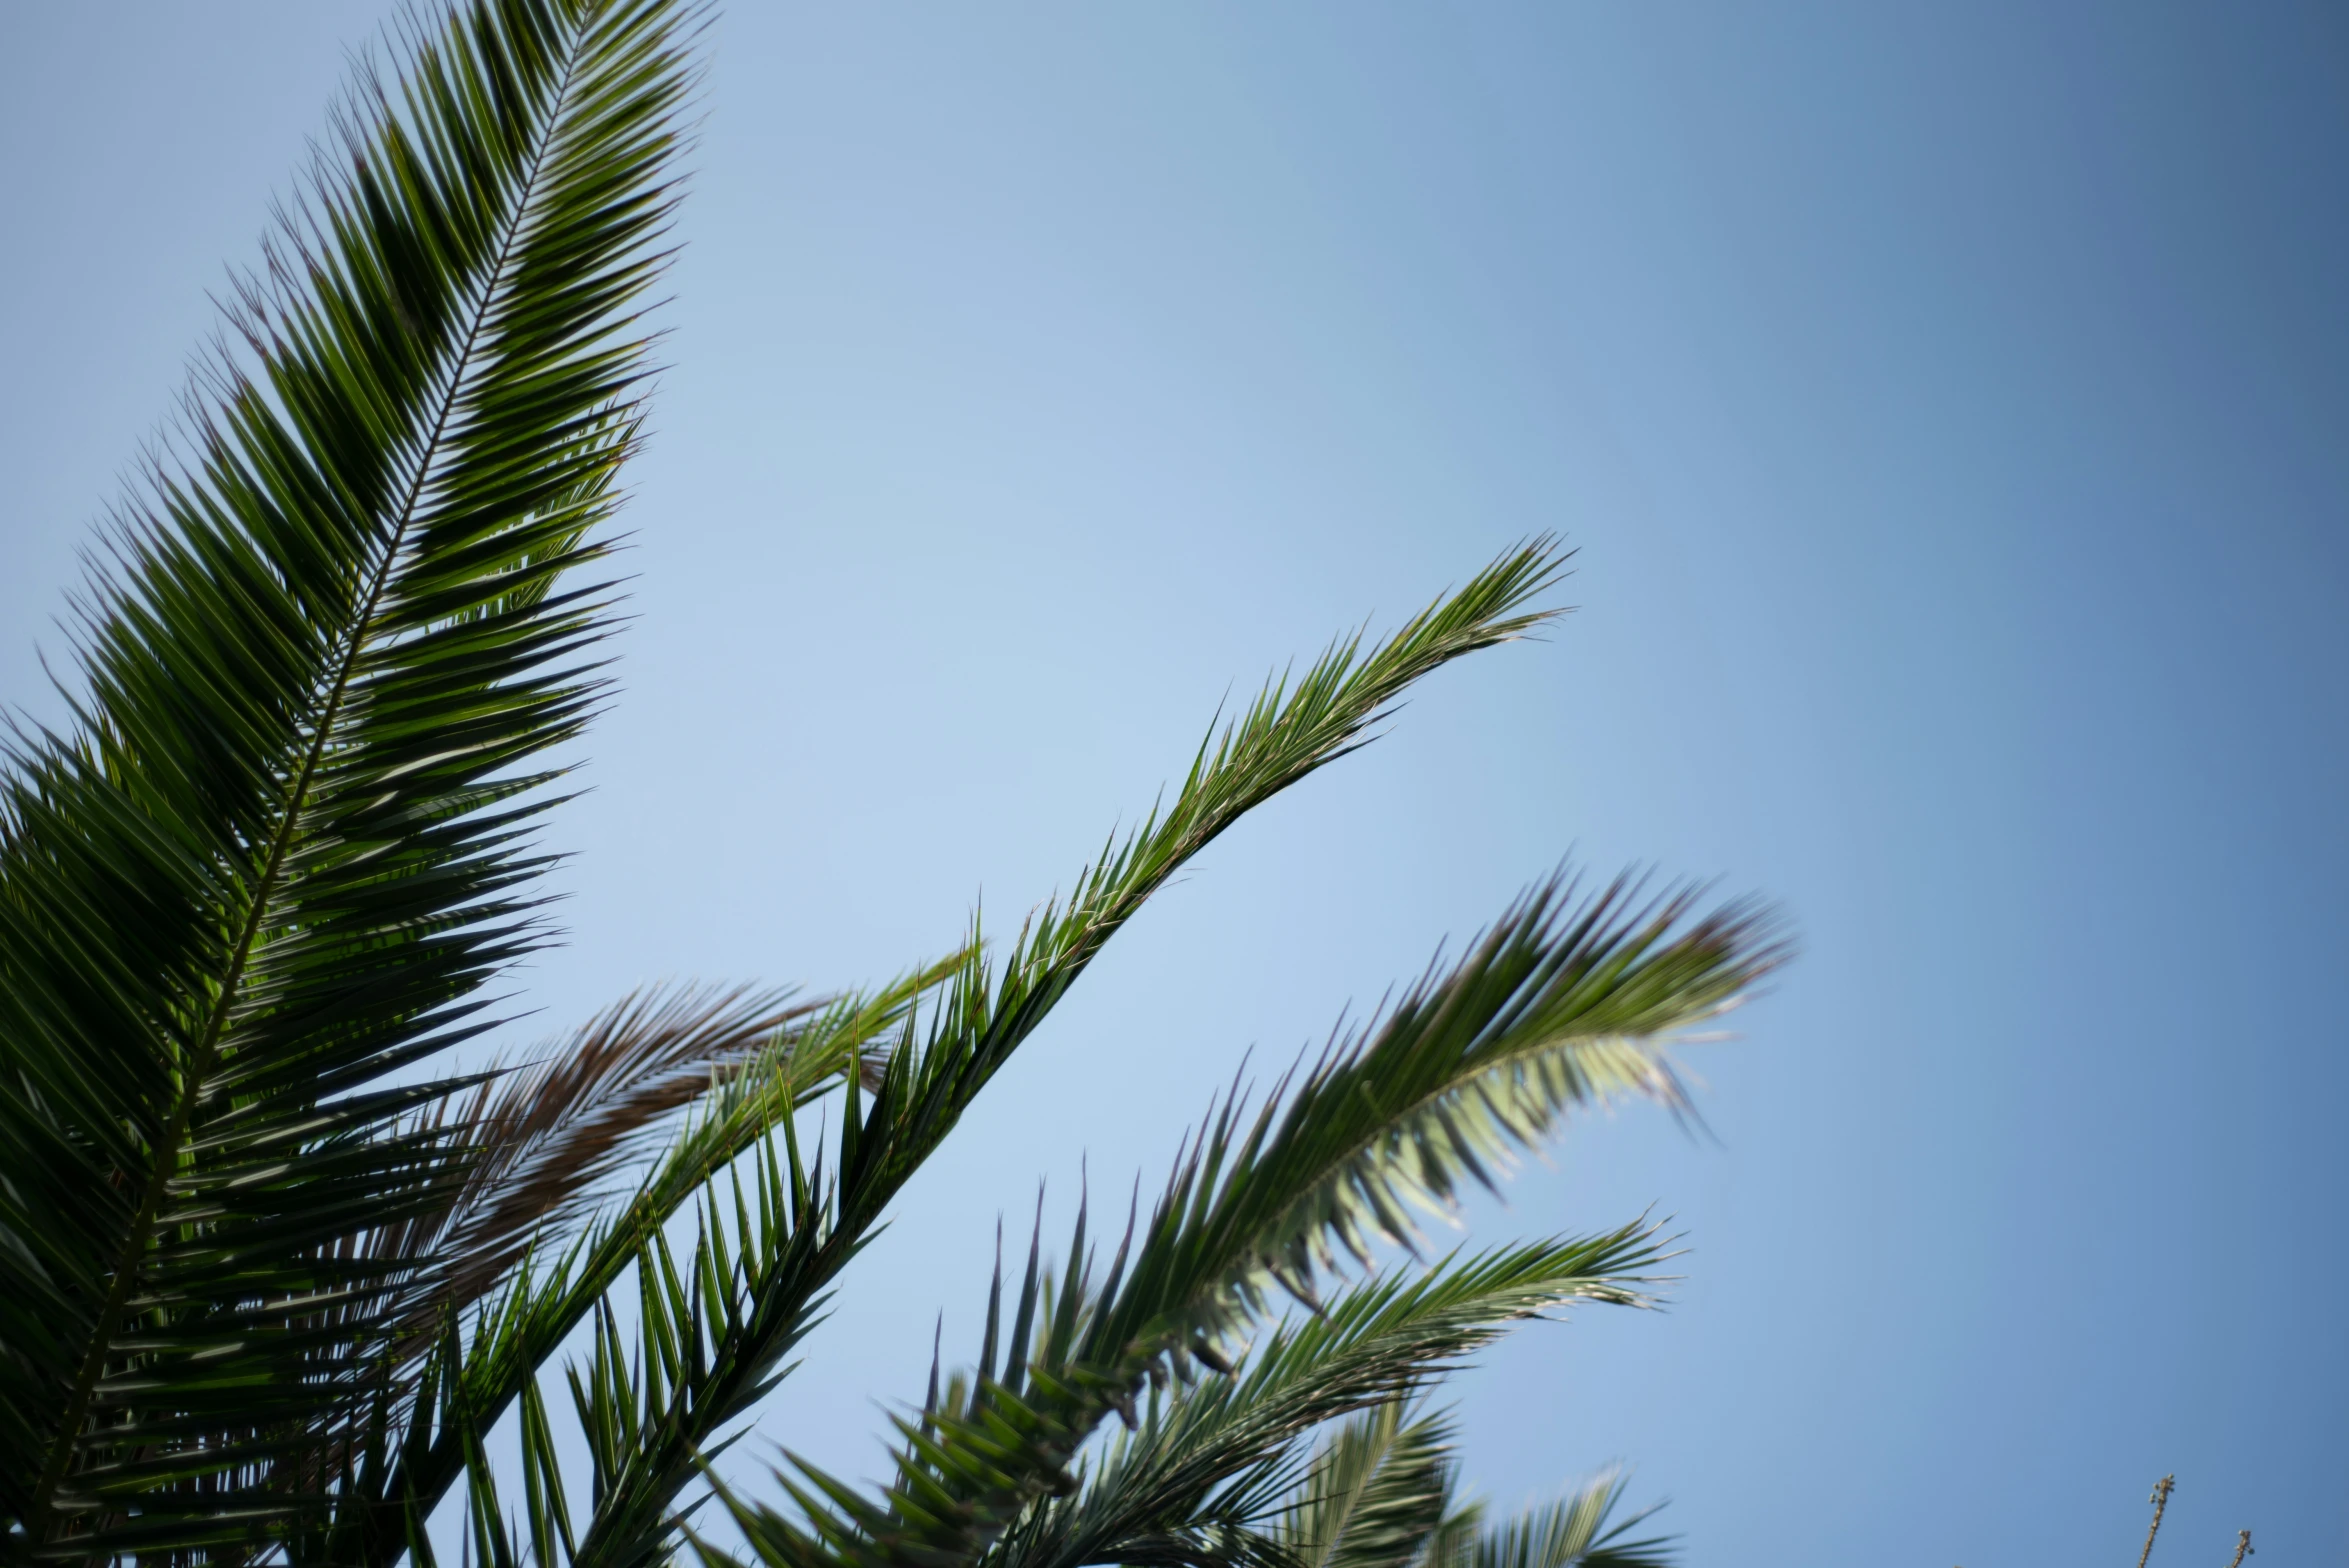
x=1949 y=404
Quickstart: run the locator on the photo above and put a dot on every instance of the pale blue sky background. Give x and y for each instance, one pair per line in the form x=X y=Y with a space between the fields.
x=1952 y=407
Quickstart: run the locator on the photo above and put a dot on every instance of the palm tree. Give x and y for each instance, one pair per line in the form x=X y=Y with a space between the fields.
x=271 y=1269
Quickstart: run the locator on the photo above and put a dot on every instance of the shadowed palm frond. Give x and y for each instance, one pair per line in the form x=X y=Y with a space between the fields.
x=282 y=844
x=548 y=1136
x=467 y=1382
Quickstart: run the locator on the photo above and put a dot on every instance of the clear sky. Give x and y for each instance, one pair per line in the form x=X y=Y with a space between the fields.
x=1951 y=404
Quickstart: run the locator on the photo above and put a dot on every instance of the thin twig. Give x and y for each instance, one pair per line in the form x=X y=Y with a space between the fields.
x=2242 y=1548
x=2160 y=1500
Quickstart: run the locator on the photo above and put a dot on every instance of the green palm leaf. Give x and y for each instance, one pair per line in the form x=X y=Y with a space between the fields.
x=281 y=848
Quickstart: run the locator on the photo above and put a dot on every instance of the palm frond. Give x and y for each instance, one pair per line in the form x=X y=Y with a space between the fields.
x=1382 y=1491
x=466 y=1383
x=1375 y=1494
x=545 y=1137
x=1457 y=1533
x=1191 y=1486
x=1578 y=1530
x=1562 y=1003
x=284 y=841
x=548 y=1136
